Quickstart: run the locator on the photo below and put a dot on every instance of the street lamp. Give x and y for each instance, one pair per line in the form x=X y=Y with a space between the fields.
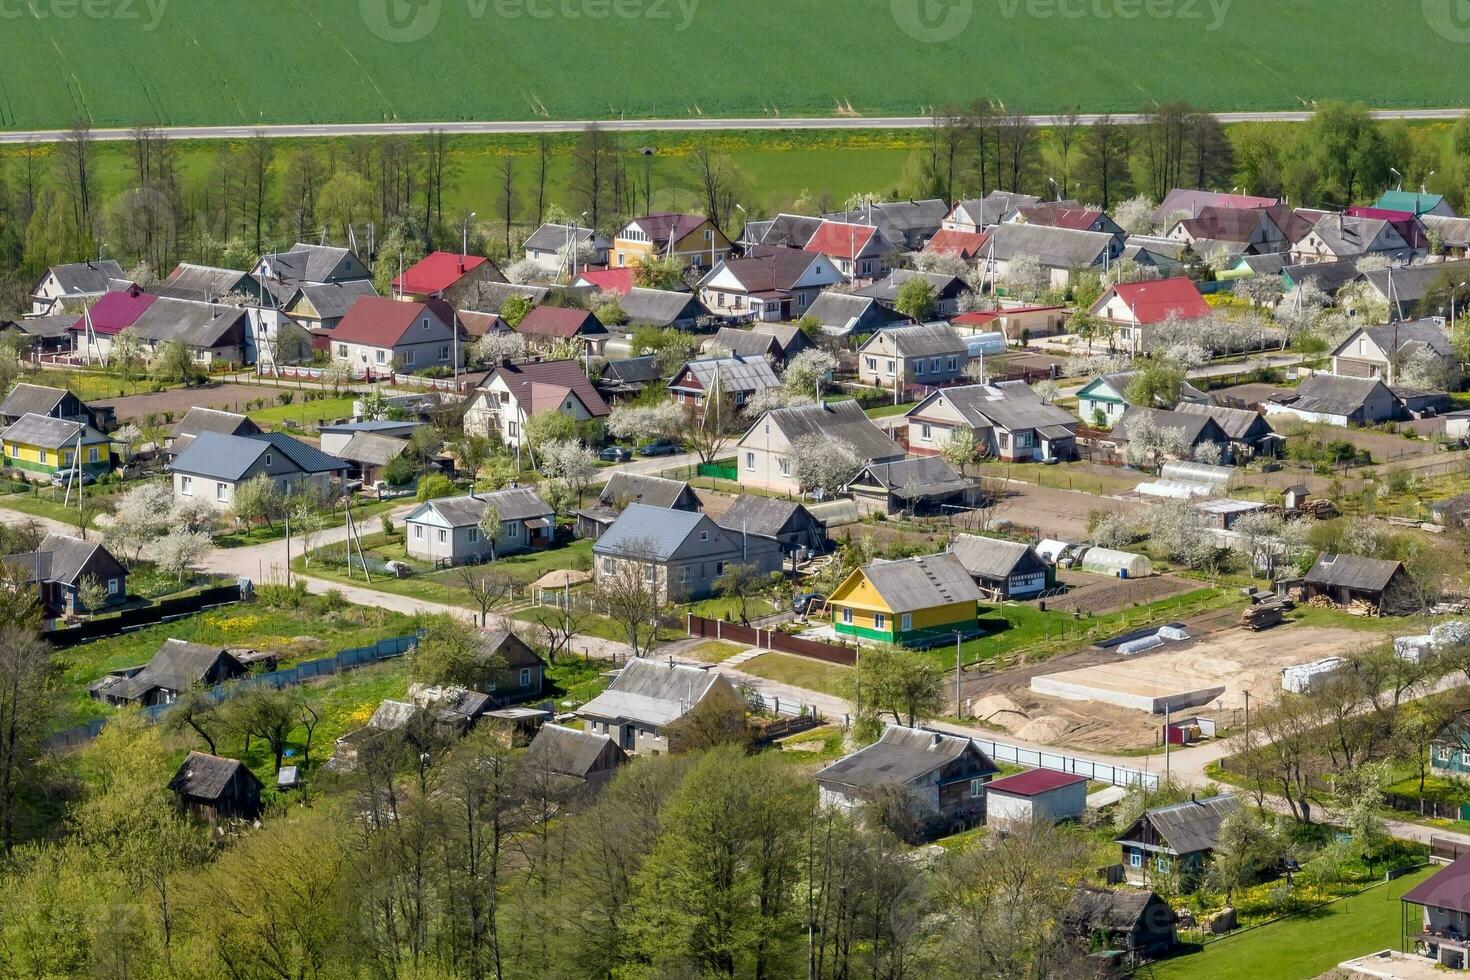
x=1424 y=184
x=1054 y=187
x=1453 y=291
x=464 y=249
x=1395 y=172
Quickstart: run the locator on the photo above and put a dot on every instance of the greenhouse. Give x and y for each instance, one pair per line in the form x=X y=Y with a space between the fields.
x=1117 y=564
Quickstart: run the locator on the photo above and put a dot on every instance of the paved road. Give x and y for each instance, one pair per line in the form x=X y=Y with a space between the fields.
x=298 y=131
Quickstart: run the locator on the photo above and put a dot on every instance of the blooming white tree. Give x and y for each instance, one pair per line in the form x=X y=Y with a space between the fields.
x=140 y=516
x=944 y=263
x=522 y=272
x=1212 y=453
x=1026 y=279
x=1149 y=443
x=1128 y=270
x=1269 y=540
x=569 y=462
x=823 y=466
x=1183 y=534
x=195 y=516
x=1135 y=215
x=179 y=551
x=960 y=449
x=645 y=421
x=496 y=347
x=1423 y=368
x=1115 y=529
x=807 y=372
x=768 y=399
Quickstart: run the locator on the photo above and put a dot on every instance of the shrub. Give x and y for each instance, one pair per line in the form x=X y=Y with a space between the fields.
x=284 y=398
x=434 y=486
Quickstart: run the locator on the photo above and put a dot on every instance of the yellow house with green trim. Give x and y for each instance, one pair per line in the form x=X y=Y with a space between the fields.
x=38 y=446
x=912 y=600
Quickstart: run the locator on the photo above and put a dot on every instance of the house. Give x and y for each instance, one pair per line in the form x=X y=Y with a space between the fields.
x=368 y=455
x=1196 y=430
x=386 y=335
x=1176 y=839
x=790 y=524
x=1420 y=290
x=1452 y=235
x=41 y=334
x=1186 y=203
x=212 y=332
x=55 y=403
x=336 y=437
x=776 y=342
x=514 y=392
x=647 y=697
x=65 y=288
x=1372 y=352
x=214 y=465
x=1454 y=512
x=1061 y=251
x=909 y=225
x=1384 y=587
x=1003 y=569
x=1020 y=323
x=1440 y=928
x=177 y=666
x=860 y=252
x=217 y=789
x=1338 y=236
x=1104 y=399
x=513 y=671
x=1449 y=752
x=764 y=452
x=321 y=306
x=936 y=781
x=1404 y=222
x=922 y=354
x=1165 y=256
x=682 y=554
x=1255 y=231
x=447 y=531
x=691 y=237
x=37 y=447
x=968 y=245
x=1036 y=796
x=1133 y=920
x=909 y=601
x=664 y=308
x=448 y=276
x=629 y=376
x=282 y=273
x=1330 y=277
x=615 y=281
x=61 y=565
x=1248 y=431
x=945 y=289
x=1063 y=214
x=590 y=757
x=489 y=297
x=777 y=284
x=1007 y=420
x=550 y=248
x=978 y=214
x=206 y=284
x=844 y=314
x=1417 y=203
x=634 y=488
x=201 y=420
x=1337 y=401
x=906 y=486
x=782 y=231
x=1130 y=308
x=734 y=379
x=546 y=325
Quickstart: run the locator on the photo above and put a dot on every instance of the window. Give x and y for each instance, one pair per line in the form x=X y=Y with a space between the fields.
x=954 y=363
x=443 y=536
x=926 y=432
x=418 y=532
x=919 y=366
x=785 y=466
x=426 y=323
x=66 y=458
x=474 y=535
x=525 y=677
x=977 y=788
x=14 y=451
x=685 y=574
x=382 y=357
x=92 y=454
x=704 y=535
x=443 y=352
x=1442 y=753
x=934 y=365
x=847 y=615
x=186 y=486
x=1135 y=859
x=890 y=365
x=42 y=456
x=341 y=350
x=512 y=428
x=513 y=530
x=113 y=586
x=1162 y=863
x=719 y=568
x=879 y=621
x=267 y=459
x=906 y=622
x=750 y=461
x=1465 y=757
x=608 y=566
x=1005 y=440
x=709 y=236
x=409 y=357
x=219 y=491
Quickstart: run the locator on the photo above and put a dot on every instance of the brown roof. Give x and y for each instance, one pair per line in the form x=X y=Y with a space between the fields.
x=377 y=321
x=541 y=385
x=559 y=321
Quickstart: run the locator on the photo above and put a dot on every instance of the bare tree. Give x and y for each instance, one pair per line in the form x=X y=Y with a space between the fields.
x=488 y=590
x=1064 y=137
x=718 y=182
x=506 y=201
x=629 y=587
x=560 y=623
x=74 y=158
x=543 y=162
x=592 y=172
x=260 y=155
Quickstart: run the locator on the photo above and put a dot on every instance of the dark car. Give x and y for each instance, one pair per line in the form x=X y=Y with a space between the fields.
x=615 y=454
x=660 y=447
x=806 y=600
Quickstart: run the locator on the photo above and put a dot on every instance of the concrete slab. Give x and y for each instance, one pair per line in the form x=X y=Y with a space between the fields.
x=1148 y=684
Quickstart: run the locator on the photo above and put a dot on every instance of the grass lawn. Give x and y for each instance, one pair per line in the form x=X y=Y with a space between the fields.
x=802 y=748
x=810 y=675
x=363 y=513
x=729 y=609
x=92 y=385
x=1067 y=476
x=885 y=411
x=303 y=412
x=1303 y=945
x=27 y=503
x=577 y=681
x=715 y=651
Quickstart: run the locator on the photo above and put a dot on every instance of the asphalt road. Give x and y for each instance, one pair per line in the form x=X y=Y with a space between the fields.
x=298 y=131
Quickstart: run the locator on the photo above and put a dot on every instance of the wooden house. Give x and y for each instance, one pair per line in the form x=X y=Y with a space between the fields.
x=217 y=789
x=1176 y=839
x=909 y=601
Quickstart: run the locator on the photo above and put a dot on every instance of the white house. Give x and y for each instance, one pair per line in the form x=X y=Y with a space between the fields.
x=514 y=392
x=448 y=531
x=647 y=696
x=764 y=453
x=1035 y=796
x=214 y=465
x=777 y=284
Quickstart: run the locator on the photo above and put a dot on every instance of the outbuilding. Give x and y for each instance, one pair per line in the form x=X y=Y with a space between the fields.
x=1035 y=796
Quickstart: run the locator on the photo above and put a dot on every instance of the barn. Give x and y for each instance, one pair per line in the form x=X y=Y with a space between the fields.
x=1035 y=796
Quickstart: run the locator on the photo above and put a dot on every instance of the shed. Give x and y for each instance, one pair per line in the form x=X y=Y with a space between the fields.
x=217 y=789
x=1383 y=587
x=1118 y=564
x=1035 y=796
x=1005 y=569
x=1134 y=920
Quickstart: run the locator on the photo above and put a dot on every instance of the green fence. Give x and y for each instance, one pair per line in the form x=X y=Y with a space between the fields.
x=723 y=470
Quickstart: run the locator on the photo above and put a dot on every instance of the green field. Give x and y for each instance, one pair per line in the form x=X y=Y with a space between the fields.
x=121 y=62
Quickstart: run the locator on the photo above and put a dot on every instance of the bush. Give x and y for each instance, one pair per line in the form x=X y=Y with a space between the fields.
x=434 y=486
x=399 y=471
x=284 y=397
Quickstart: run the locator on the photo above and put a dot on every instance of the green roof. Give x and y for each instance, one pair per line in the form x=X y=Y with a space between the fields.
x=1412 y=201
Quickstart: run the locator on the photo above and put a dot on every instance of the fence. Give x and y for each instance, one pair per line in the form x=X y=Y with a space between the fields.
x=1426 y=808
x=1101 y=772
x=1447 y=848
x=132 y=619
x=771 y=640
x=719 y=471
x=352 y=658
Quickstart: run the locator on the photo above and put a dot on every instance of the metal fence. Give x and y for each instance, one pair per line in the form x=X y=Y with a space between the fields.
x=133 y=619
x=1101 y=772
x=352 y=658
x=771 y=639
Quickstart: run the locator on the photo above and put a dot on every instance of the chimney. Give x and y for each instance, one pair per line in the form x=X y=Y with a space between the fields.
x=936 y=738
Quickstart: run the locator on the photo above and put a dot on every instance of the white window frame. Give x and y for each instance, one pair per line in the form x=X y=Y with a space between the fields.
x=443 y=536
x=186 y=485
x=92 y=454
x=750 y=461
x=880 y=621
x=906 y=622
x=474 y=535
x=977 y=788
x=847 y=615
x=525 y=677
x=512 y=530
x=409 y=358
x=418 y=532
x=219 y=490
x=382 y=356
x=113 y=586
x=1135 y=858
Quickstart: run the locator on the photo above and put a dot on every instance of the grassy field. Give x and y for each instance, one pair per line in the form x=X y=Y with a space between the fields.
x=810 y=675
x=1304 y=945
x=303 y=412
x=123 y=63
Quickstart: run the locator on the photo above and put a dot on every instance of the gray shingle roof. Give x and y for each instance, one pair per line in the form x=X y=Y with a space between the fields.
x=1010 y=407
x=87 y=277
x=332 y=300
x=515 y=504
x=1330 y=394
x=204 y=776
x=28 y=399
x=746 y=343
x=1413 y=335
x=843 y=421
x=899 y=757
x=652 y=692
x=557 y=748
x=553 y=237
x=209 y=420
x=1193 y=825
x=1329 y=276
x=1353 y=572
x=910 y=584
x=49 y=433
x=1236 y=422
x=637 y=488
x=790 y=230
x=1348 y=235
x=658 y=307
x=996 y=206
x=1195 y=427
x=373 y=449
x=228 y=457
x=308 y=458
x=838 y=310
x=177 y=666
x=201 y=282
x=989 y=557
x=888 y=289
x=67 y=556
x=907 y=224
x=652 y=533
x=633 y=370
x=914 y=478
x=1056 y=248
x=923 y=340
x=764 y=516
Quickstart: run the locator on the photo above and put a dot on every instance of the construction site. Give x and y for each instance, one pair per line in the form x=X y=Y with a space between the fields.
x=1102 y=699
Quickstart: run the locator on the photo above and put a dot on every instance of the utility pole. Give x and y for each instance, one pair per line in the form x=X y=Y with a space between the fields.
x=1168 y=710
x=288 y=549
x=959 y=707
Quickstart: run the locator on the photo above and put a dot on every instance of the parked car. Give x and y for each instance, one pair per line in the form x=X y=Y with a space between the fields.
x=661 y=447
x=615 y=454
x=804 y=601
x=62 y=478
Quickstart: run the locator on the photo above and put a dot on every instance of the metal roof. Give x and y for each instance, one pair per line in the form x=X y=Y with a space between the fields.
x=205 y=776
x=913 y=478
x=638 y=488
x=652 y=692
x=842 y=421
x=1448 y=888
x=992 y=558
x=557 y=748
x=1191 y=826
x=922 y=340
x=911 y=584
x=901 y=756
x=653 y=533
x=733 y=374
x=515 y=504
x=29 y=399
x=1033 y=782
x=1353 y=572
x=49 y=433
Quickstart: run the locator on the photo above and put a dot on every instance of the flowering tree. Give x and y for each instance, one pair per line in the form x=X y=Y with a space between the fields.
x=960 y=449
x=1150 y=443
x=944 y=263
x=1026 y=280
x=645 y=421
x=496 y=347
x=1212 y=453
x=823 y=466
x=570 y=462
x=1115 y=529
x=140 y=517
x=807 y=371
x=1183 y=533
x=179 y=551
x=1135 y=215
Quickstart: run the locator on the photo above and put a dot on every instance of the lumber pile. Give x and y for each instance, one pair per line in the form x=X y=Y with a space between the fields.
x=1262 y=616
x=1321 y=509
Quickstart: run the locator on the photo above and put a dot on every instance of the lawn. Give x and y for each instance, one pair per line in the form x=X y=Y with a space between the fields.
x=1067 y=476
x=885 y=411
x=1303 y=945
x=715 y=651
x=303 y=412
x=729 y=608
x=93 y=385
x=127 y=64
x=809 y=675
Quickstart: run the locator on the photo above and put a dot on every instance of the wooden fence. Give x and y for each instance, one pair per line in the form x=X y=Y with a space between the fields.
x=769 y=639
x=1447 y=849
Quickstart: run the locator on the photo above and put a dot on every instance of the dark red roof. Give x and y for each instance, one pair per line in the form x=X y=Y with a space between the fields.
x=1447 y=889
x=115 y=312
x=1154 y=299
x=977 y=317
x=1056 y=216
x=1033 y=782
x=665 y=225
x=559 y=321
x=436 y=272
x=841 y=239
x=965 y=243
x=377 y=321
x=618 y=281
x=541 y=386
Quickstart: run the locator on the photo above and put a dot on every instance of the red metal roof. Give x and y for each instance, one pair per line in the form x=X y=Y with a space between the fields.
x=115 y=312
x=618 y=281
x=1154 y=299
x=1380 y=214
x=436 y=272
x=377 y=321
x=965 y=243
x=560 y=321
x=978 y=317
x=1033 y=782
x=841 y=239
